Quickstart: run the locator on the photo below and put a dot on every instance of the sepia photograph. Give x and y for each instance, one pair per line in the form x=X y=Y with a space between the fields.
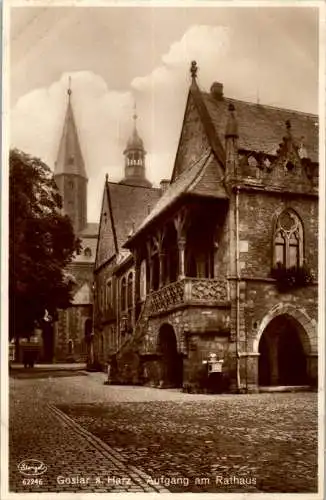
x=163 y=210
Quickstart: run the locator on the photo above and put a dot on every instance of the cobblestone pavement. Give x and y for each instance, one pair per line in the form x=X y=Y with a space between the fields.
x=183 y=442
x=75 y=460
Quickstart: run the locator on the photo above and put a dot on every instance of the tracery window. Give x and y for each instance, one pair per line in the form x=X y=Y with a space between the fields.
x=288 y=240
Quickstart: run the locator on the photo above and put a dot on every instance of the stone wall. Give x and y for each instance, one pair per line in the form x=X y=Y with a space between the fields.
x=257 y=214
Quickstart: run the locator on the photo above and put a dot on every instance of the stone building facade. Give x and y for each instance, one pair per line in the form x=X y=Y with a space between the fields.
x=216 y=286
x=72 y=331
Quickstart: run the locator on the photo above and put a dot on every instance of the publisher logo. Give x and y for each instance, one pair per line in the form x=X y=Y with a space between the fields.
x=32 y=467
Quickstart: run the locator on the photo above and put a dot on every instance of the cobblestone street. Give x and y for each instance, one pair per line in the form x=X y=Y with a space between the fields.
x=93 y=437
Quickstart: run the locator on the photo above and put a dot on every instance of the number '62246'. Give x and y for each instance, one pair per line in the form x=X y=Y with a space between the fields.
x=32 y=481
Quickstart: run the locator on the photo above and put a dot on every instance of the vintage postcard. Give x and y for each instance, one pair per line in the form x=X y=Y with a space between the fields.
x=163 y=232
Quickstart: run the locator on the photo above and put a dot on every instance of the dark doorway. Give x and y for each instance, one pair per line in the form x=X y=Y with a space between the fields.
x=171 y=360
x=88 y=328
x=282 y=359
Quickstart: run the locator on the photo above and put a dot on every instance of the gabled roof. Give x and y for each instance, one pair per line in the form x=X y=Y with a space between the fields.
x=69 y=159
x=129 y=207
x=203 y=178
x=123 y=209
x=260 y=127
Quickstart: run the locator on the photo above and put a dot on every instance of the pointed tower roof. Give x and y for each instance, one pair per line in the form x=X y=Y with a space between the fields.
x=69 y=159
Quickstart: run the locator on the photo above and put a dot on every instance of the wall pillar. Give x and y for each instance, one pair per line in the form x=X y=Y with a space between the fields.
x=249 y=371
x=312 y=369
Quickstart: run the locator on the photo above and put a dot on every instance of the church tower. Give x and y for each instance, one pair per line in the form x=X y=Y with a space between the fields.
x=135 y=153
x=69 y=172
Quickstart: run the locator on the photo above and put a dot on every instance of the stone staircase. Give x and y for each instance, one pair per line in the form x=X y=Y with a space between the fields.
x=128 y=369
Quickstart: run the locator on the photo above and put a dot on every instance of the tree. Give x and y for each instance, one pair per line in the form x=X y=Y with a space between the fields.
x=41 y=244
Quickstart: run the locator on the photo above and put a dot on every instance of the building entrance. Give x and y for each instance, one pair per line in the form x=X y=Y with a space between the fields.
x=282 y=359
x=171 y=360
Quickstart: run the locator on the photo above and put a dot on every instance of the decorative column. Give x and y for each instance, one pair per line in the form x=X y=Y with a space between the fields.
x=150 y=264
x=180 y=223
x=181 y=247
x=158 y=242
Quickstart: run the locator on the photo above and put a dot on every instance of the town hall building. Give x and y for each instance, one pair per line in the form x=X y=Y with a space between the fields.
x=210 y=281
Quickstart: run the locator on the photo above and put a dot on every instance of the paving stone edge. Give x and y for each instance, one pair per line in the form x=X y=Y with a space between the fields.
x=136 y=474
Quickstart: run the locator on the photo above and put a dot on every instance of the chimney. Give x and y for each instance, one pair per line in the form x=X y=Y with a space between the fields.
x=164 y=184
x=217 y=90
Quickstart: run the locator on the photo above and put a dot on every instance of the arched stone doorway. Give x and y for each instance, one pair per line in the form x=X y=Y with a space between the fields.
x=284 y=348
x=170 y=358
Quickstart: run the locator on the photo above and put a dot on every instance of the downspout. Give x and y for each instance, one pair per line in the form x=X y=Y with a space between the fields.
x=237 y=263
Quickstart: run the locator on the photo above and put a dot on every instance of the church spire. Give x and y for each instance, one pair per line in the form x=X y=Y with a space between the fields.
x=69 y=158
x=69 y=171
x=135 y=158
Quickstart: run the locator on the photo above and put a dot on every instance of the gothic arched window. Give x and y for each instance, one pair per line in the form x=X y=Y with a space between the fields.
x=109 y=294
x=129 y=290
x=123 y=294
x=288 y=240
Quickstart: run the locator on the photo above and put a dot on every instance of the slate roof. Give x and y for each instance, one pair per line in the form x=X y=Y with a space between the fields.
x=129 y=206
x=189 y=182
x=261 y=127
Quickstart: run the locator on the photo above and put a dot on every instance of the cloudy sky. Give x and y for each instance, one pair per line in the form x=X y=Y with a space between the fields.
x=118 y=55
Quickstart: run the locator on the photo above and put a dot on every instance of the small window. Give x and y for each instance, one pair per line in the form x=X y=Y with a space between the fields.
x=88 y=252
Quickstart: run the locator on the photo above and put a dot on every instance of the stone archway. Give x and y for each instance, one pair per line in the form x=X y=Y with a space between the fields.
x=283 y=360
x=170 y=358
x=287 y=346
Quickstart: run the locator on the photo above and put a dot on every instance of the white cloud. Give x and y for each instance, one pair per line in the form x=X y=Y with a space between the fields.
x=202 y=43
x=104 y=115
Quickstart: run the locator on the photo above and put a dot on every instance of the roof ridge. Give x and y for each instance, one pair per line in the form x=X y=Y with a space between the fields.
x=208 y=125
x=115 y=240
x=270 y=106
x=118 y=183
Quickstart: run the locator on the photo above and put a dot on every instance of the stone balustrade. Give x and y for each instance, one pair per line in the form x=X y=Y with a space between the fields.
x=188 y=291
